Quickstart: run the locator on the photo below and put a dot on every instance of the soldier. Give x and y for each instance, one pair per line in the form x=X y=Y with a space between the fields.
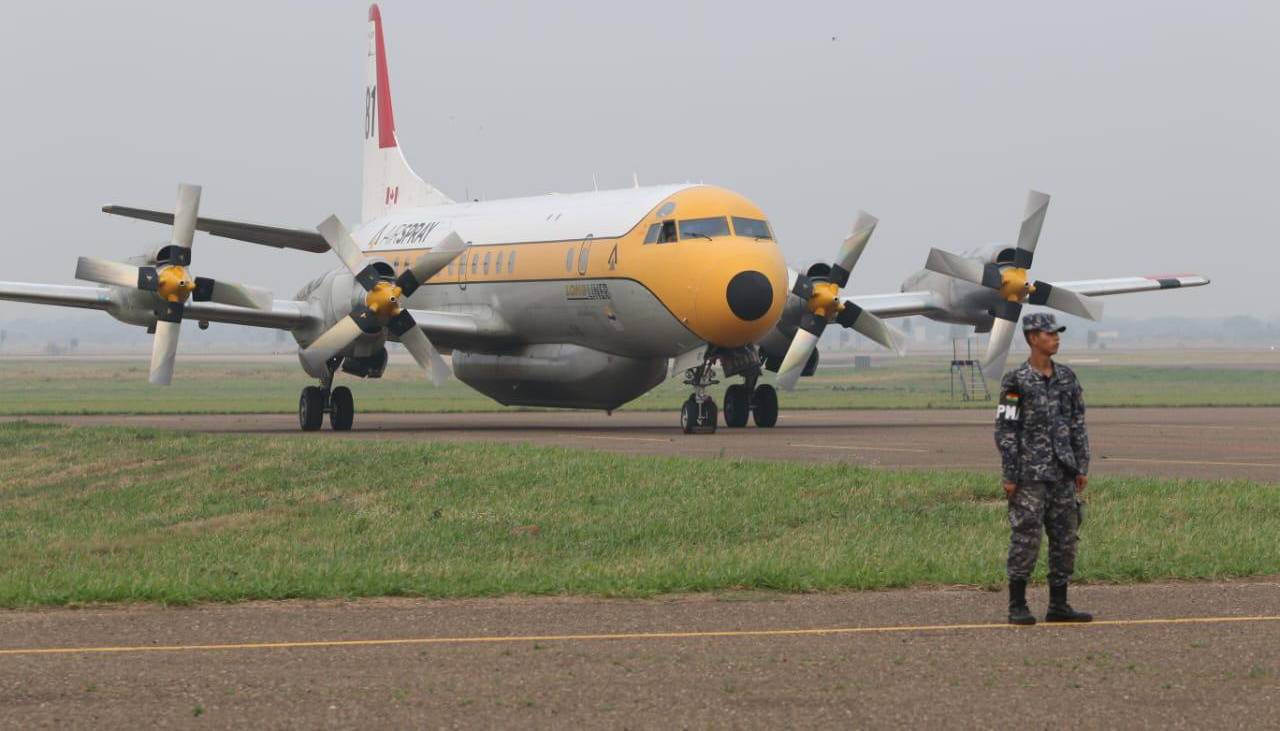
x=1044 y=448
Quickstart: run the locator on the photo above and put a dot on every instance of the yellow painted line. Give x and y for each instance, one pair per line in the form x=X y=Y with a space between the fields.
x=631 y=439
x=631 y=636
x=855 y=447
x=1197 y=427
x=1189 y=461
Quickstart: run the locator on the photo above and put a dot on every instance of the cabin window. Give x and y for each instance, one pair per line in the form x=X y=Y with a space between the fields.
x=475 y=263
x=568 y=260
x=497 y=264
x=450 y=267
x=511 y=263
x=752 y=227
x=486 y=262
x=704 y=228
x=583 y=257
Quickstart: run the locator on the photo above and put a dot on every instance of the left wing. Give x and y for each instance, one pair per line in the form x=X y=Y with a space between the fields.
x=254 y=233
x=900 y=304
x=1124 y=285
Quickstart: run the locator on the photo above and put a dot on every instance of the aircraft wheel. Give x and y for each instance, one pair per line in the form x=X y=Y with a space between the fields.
x=311 y=408
x=765 y=408
x=737 y=406
x=342 y=409
x=699 y=420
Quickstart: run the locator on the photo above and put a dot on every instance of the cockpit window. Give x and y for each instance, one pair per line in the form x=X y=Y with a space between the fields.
x=663 y=232
x=704 y=228
x=753 y=227
x=651 y=236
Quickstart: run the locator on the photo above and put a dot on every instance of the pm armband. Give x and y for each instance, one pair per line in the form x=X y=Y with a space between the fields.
x=1010 y=408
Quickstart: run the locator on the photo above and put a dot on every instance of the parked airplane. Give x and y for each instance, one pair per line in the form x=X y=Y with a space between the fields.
x=578 y=301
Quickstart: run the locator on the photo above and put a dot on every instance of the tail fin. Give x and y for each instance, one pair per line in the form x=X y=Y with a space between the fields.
x=389 y=182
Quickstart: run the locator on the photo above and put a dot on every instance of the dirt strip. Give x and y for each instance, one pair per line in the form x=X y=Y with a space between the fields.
x=1218 y=673
x=1207 y=443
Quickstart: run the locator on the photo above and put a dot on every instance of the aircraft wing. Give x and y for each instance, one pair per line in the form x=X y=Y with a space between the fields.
x=92 y=298
x=434 y=323
x=254 y=233
x=283 y=315
x=900 y=304
x=1124 y=285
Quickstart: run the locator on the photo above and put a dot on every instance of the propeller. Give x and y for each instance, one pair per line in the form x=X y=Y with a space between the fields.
x=172 y=282
x=382 y=311
x=822 y=295
x=1011 y=279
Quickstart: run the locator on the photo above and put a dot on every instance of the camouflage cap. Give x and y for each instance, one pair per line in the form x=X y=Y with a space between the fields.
x=1043 y=321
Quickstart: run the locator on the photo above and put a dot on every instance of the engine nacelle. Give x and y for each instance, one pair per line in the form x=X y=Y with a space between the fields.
x=556 y=374
x=331 y=297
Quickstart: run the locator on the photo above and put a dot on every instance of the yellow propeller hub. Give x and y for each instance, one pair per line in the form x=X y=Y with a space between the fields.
x=1014 y=284
x=175 y=284
x=825 y=300
x=384 y=300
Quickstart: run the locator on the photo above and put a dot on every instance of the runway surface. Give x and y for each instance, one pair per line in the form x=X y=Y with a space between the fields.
x=1211 y=443
x=1169 y=656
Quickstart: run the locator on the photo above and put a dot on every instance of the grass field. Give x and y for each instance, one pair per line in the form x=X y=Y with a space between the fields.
x=69 y=386
x=109 y=514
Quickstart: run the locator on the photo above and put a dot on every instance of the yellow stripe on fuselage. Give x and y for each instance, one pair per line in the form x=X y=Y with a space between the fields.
x=690 y=277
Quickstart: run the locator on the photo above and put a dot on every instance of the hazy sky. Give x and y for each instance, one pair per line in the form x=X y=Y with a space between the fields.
x=1153 y=124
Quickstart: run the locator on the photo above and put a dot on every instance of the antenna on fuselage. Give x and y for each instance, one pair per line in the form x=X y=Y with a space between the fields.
x=635 y=179
x=594 y=184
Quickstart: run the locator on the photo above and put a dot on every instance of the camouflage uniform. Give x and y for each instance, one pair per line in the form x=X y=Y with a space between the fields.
x=1043 y=444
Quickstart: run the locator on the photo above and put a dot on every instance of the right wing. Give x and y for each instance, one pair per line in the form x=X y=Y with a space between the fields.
x=254 y=233
x=91 y=298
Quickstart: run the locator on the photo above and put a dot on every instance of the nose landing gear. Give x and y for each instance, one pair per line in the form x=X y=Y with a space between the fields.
x=699 y=414
x=316 y=401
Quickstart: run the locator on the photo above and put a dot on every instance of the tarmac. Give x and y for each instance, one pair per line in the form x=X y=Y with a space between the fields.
x=1205 y=443
x=1189 y=655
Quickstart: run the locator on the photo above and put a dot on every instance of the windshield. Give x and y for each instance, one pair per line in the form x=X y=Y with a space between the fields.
x=704 y=228
x=751 y=227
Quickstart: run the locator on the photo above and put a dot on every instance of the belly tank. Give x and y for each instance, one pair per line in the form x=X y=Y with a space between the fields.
x=559 y=375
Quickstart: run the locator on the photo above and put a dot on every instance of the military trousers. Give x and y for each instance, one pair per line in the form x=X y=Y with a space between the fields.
x=1048 y=507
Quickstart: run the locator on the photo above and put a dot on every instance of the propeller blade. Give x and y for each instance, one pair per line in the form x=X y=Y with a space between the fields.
x=230 y=293
x=339 y=239
x=184 y=215
x=1032 y=221
x=103 y=271
x=1065 y=300
x=342 y=334
x=431 y=262
x=961 y=267
x=420 y=347
x=164 y=347
x=998 y=344
x=853 y=316
x=802 y=347
x=853 y=246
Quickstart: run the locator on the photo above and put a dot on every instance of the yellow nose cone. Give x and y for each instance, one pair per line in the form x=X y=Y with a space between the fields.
x=741 y=289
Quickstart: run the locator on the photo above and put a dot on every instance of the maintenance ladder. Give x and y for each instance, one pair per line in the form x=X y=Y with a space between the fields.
x=967 y=372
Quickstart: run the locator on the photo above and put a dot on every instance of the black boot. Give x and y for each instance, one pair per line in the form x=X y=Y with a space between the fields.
x=1018 y=611
x=1060 y=611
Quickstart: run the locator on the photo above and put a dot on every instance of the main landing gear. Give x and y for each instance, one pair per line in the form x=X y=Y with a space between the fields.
x=316 y=401
x=743 y=399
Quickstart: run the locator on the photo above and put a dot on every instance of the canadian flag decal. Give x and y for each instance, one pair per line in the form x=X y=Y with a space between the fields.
x=393 y=194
